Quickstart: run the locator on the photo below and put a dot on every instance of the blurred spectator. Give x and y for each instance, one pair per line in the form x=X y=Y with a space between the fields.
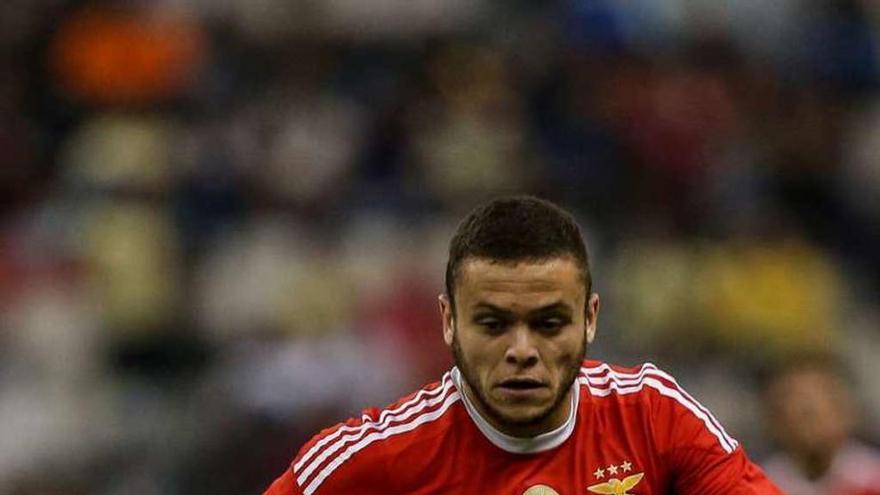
x=813 y=415
x=473 y=141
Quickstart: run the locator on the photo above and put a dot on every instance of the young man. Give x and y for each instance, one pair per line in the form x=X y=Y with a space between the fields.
x=522 y=412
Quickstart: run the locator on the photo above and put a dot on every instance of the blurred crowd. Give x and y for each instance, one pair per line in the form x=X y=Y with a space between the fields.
x=223 y=223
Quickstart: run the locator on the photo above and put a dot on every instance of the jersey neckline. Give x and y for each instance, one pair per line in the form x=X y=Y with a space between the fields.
x=520 y=445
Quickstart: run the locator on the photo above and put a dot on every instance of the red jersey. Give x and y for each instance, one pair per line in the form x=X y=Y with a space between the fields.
x=630 y=431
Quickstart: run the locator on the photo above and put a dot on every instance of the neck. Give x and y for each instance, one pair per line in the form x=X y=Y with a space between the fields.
x=816 y=464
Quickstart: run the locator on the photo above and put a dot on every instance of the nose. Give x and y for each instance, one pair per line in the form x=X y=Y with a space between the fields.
x=521 y=351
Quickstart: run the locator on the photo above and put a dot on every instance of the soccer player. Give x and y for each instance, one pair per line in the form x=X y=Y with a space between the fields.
x=522 y=412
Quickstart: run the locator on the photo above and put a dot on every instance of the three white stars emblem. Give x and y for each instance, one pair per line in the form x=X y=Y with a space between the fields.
x=613 y=469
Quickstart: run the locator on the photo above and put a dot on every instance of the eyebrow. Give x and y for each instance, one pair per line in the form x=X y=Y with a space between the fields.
x=557 y=307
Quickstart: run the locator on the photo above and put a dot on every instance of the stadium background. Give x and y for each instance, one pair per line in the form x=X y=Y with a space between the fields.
x=224 y=222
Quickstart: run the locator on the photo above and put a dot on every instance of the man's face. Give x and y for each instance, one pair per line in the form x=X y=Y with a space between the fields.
x=815 y=398
x=519 y=335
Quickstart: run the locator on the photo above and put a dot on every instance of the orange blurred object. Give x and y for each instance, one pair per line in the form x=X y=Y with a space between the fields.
x=107 y=56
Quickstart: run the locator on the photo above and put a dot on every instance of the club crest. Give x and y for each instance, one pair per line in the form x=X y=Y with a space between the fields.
x=616 y=486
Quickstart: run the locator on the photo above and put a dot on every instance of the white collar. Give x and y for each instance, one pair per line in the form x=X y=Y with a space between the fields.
x=520 y=445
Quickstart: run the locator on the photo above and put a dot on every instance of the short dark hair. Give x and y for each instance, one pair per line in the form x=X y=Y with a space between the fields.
x=802 y=361
x=513 y=229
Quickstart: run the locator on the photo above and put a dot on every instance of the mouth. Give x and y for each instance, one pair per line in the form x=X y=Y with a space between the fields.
x=521 y=387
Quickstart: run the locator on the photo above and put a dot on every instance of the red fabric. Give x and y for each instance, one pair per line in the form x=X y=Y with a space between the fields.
x=634 y=435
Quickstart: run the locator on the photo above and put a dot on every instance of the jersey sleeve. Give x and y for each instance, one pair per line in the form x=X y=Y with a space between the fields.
x=701 y=456
x=341 y=460
x=349 y=479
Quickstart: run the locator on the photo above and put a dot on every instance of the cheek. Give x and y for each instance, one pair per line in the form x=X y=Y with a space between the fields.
x=568 y=348
x=479 y=352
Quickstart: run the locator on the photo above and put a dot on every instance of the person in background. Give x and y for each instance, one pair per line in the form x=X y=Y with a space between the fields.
x=813 y=415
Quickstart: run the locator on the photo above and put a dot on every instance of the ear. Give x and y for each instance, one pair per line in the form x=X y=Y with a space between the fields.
x=592 y=317
x=448 y=318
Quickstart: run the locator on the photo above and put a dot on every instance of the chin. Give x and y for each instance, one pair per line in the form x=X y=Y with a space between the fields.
x=523 y=416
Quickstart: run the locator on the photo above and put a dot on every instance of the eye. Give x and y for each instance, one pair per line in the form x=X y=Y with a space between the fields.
x=492 y=324
x=549 y=325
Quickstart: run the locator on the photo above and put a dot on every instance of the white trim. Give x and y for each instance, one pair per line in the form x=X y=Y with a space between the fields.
x=646 y=368
x=384 y=421
x=366 y=419
x=667 y=392
x=379 y=435
x=517 y=445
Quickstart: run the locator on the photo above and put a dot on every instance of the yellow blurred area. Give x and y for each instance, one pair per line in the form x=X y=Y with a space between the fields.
x=120 y=150
x=131 y=258
x=784 y=295
x=773 y=297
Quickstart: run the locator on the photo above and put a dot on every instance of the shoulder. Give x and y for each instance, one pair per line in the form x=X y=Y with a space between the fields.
x=645 y=381
x=860 y=463
x=635 y=390
x=646 y=392
x=349 y=454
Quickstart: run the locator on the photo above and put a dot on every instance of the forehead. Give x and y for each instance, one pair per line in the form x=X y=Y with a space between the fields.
x=795 y=389
x=525 y=283
x=808 y=382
